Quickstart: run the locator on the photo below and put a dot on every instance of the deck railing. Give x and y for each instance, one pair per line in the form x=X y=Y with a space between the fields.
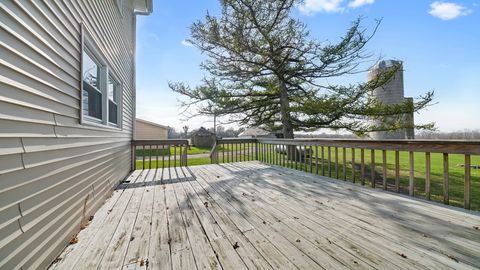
x=234 y=150
x=378 y=163
x=159 y=153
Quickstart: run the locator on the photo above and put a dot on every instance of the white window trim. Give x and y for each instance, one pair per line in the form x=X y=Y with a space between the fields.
x=89 y=46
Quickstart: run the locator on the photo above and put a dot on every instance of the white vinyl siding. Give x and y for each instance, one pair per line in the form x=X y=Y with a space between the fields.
x=54 y=170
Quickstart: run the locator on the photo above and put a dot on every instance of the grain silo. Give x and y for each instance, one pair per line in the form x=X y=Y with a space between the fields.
x=391 y=93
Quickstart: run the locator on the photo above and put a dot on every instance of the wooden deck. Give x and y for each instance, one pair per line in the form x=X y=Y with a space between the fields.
x=255 y=216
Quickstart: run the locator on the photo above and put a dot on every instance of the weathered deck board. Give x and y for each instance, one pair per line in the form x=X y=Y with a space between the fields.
x=254 y=216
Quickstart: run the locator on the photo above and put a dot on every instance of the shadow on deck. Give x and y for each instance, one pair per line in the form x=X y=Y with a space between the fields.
x=250 y=215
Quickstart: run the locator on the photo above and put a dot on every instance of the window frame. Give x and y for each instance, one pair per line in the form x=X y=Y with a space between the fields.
x=93 y=51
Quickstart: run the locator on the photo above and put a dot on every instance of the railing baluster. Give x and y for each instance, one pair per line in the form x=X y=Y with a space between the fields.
x=427 y=175
x=169 y=156
x=336 y=162
x=372 y=166
x=329 y=162
x=353 y=166
x=305 y=168
x=143 y=157
x=134 y=156
x=316 y=159
x=468 y=184
x=445 y=179
x=310 y=155
x=150 y=157
x=384 y=163
x=163 y=156
x=344 y=159
x=174 y=155
x=362 y=166
x=411 y=188
x=323 y=161
x=156 y=156
x=296 y=157
x=397 y=171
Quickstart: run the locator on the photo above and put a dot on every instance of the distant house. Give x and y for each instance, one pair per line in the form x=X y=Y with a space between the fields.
x=67 y=111
x=146 y=130
x=203 y=138
x=256 y=132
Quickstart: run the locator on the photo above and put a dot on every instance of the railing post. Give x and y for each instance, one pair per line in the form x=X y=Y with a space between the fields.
x=134 y=158
x=467 y=185
x=256 y=150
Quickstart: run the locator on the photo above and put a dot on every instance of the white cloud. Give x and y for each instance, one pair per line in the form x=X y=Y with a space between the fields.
x=448 y=10
x=186 y=43
x=312 y=6
x=359 y=3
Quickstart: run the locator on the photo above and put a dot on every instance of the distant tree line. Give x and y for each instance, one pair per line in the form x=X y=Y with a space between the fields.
x=456 y=135
x=221 y=132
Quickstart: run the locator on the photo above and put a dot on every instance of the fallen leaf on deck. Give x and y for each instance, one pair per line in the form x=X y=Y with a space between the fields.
x=206 y=204
x=296 y=218
x=264 y=222
x=402 y=255
x=131 y=238
x=74 y=240
x=298 y=240
x=142 y=262
x=476 y=227
x=235 y=246
x=452 y=258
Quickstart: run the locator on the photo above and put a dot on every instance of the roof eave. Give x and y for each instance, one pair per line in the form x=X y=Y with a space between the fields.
x=143 y=7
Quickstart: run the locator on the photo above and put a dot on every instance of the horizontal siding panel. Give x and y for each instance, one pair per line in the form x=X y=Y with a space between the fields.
x=10 y=146
x=49 y=162
x=36 y=78
x=45 y=70
x=14 y=112
x=46 y=157
x=10 y=163
x=52 y=199
x=37 y=56
x=21 y=95
x=26 y=82
x=51 y=24
x=19 y=250
x=9 y=233
x=8 y=216
x=18 y=24
x=48 y=144
x=24 y=184
x=70 y=122
x=84 y=132
x=17 y=129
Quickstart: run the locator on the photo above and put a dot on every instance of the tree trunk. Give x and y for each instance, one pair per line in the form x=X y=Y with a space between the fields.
x=287 y=127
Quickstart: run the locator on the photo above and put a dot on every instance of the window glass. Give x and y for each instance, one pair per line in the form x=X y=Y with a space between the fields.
x=92 y=96
x=112 y=91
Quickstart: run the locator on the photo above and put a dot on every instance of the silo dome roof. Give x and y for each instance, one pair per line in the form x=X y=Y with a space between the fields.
x=383 y=64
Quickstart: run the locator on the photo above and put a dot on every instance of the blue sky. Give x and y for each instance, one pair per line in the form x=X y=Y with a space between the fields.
x=439 y=43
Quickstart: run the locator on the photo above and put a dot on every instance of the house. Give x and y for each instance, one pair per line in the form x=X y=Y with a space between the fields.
x=203 y=138
x=67 y=110
x=256 y=132
x=146 y=130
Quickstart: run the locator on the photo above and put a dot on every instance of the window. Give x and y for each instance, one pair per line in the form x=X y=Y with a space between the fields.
x=101 y=90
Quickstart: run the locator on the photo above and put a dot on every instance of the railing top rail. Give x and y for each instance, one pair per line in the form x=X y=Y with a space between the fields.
x=160 y=142
x=236 y=140
x=434 y=146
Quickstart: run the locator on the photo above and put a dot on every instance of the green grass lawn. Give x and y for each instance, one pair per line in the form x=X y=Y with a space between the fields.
x=165 y=152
